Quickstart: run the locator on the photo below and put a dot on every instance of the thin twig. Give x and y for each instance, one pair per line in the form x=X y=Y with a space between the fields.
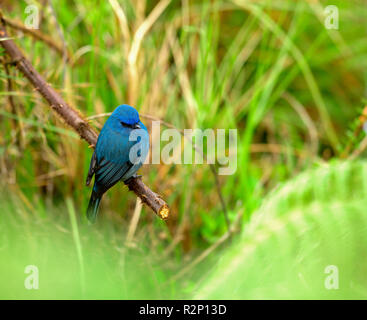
x=299 y=108
x=146 y=116
x=37 y=35
x=356 y=153
x=220 y=195
x=74 y=118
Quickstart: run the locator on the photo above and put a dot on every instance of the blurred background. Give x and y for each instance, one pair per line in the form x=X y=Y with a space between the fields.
x=293 y=88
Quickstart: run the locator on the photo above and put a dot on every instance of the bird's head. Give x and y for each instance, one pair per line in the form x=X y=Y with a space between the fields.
x=127 y=116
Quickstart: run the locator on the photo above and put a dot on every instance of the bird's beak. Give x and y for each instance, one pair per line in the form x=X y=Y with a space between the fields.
x=137 y=126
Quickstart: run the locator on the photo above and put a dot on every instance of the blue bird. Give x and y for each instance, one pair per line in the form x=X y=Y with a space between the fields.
x=121 y=149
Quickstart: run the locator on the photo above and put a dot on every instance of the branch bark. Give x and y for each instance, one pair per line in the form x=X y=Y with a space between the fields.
x=73 y=117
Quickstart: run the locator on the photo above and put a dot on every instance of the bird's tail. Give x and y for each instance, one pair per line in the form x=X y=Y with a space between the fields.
x=93 y=205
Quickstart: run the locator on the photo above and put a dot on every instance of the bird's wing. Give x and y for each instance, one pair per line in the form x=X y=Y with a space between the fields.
x=109 y=173
x=112 y=153
x=92 y=168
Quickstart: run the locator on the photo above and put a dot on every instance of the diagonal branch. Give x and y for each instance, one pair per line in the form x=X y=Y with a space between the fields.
x=73 y=118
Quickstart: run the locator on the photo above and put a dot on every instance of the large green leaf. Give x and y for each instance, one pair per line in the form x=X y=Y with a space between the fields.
x=308 y=240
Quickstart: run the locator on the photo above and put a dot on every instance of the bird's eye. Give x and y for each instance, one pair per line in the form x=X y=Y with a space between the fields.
x=131 y=126
x=127 y=125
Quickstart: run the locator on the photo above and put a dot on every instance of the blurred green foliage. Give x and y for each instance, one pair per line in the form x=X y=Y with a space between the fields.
x=306 y=227
x=310 y=223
